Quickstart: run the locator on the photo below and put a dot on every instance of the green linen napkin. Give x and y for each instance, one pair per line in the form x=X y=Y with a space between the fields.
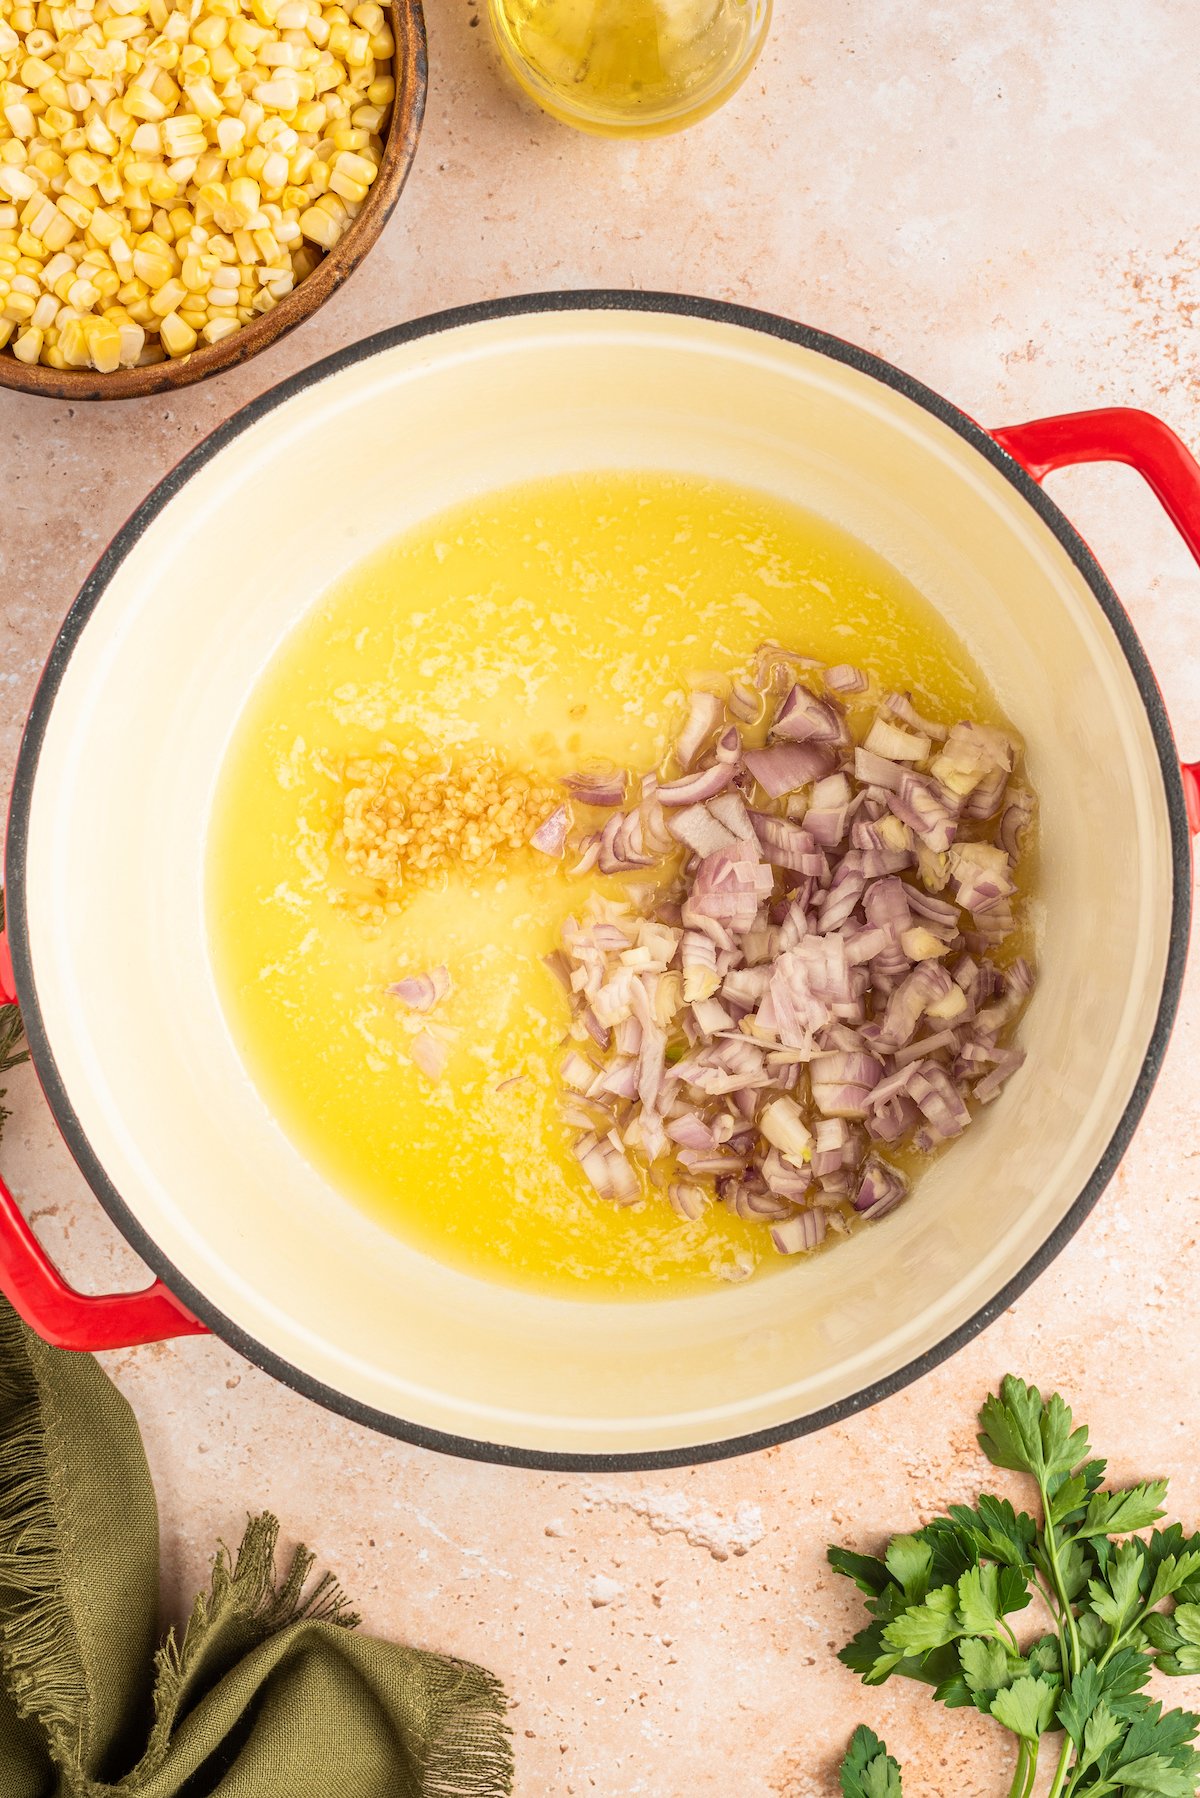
x=270 y=1693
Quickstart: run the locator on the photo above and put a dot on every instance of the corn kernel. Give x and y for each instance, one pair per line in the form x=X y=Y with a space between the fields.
x=320 y=228
x=104 y=344
x=99 y=137
x=177 y=337
x=167 y=172
x=35 y=72
x=20 y=118
x=355 y=167
x=28 y=346
x=133 y=340
x=282 y=94
x=73 y=344
x=142 y=103
x=76 y=210
x=203 y=99
x=152 y=266
x=39 y=213
x=16 y=183
x=82 y=295
x=348 y=189
x=168 y=298
x=210 y=31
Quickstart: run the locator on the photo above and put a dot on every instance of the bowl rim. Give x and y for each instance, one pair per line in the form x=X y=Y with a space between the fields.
x=518 y=306
x=411 y=72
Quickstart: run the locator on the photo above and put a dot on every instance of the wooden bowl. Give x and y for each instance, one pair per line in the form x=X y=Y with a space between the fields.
x=410 y=70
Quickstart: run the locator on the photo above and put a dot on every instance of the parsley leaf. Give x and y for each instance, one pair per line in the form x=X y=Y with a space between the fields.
x=1176 y=1636
x=909 y=1561
x=862 y=1653
x=1080 y=1700
x=1116 y=1598
x=999 y=1532
x=1020 y=1432
x=1177 y=1573
x=986 y=1594
x=1027 y=1706
x=1101 y=1732
x=942 y=1599
x=930 y=1624
x=1117 y=1513
x=868 y=1573
x=987 y=1668
x=868 y=1770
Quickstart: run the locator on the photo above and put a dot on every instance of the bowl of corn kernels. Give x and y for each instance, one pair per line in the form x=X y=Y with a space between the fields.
x=182 y=181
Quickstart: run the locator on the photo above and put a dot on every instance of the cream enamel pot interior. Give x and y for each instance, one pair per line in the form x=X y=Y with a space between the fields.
x=107 y=840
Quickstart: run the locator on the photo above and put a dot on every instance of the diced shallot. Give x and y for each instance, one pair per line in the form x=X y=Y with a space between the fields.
x=729 y=809
x=551 y=836
x=880 y=1190
x=687 y=1200
x=601 y=787
x=793 y=992
x=794 y=1235
x=694 y=788
x=803 y=717
x=421 y=992
x=786 y=766
x=696 y=826
x=430 y=1054
x=704 y=715
x=843 y=678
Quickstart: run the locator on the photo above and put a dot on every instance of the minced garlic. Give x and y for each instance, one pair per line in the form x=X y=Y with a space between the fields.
x=170 y=169
x=405 y=827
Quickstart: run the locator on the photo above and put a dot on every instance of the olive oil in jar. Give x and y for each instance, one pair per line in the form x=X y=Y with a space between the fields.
x=630 y=67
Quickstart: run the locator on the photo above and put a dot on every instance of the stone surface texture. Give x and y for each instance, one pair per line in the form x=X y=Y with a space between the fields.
x=1000 y=197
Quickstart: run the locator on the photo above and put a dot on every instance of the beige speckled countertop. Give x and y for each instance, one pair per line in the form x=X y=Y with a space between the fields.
x=1000 y=196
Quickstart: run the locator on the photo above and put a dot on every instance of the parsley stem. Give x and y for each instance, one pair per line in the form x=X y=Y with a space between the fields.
x=1117 y=1639
x=1018 y=1787
x=1051 y=1542
x=1060 y=1772
x=1031 y=1777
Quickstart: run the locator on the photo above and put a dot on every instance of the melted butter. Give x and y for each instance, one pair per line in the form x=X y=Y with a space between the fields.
x=551 y=623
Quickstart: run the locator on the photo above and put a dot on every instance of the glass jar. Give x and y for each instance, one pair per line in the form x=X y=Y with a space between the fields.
x=630 y=68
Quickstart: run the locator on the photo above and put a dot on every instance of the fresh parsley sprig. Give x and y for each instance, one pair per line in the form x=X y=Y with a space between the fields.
x=942 y=1598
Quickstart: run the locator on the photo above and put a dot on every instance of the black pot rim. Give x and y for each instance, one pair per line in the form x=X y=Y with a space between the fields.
x=588 y=300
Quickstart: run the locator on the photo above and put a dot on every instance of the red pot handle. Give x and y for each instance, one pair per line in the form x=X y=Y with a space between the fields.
x=1141 y=441
x=38 y=1293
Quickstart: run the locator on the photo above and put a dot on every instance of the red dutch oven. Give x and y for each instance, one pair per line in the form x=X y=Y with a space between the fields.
x=105 y=870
